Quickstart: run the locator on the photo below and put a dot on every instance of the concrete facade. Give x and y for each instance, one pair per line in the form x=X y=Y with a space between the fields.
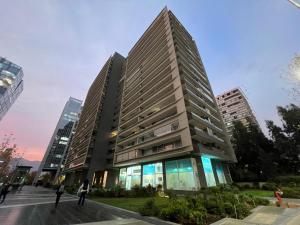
x=92 y=147
x=234 y=106
x=170 y=130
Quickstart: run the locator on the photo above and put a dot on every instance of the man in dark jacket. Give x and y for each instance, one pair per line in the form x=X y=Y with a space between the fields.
x=60 y=190
x=4 y=191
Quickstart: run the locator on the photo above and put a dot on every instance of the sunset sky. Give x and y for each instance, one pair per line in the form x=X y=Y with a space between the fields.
x=62 y=45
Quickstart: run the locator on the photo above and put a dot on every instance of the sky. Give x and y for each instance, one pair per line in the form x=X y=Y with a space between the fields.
x=62 y=45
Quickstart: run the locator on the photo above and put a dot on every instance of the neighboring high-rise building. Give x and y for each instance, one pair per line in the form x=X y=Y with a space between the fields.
x=234 y=106
x=170 y=129
x=56 y=152
x=11 y=84
x=92 y=147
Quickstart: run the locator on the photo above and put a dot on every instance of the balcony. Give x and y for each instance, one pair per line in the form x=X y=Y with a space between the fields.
x=163 y=130
x=201 y=135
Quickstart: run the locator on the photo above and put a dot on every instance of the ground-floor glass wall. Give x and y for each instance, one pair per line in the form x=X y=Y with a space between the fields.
x=208 y=171
x=130 y=176
x=220 y=173
x=153 y=174
x=180 y=175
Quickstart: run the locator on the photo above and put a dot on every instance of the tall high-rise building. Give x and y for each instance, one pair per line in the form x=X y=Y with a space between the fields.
x=170 y=129
x=234 y=106
x=91 y=151
x=11 y=84
x=56 y=152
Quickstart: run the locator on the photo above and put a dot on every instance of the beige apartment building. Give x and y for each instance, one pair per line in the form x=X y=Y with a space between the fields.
x=170 y=129
x=234 y=106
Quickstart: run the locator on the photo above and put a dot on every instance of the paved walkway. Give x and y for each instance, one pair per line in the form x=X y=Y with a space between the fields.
x=35 y=206
x=267 y=215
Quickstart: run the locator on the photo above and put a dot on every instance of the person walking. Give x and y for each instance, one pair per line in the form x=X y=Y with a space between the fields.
x=4 y=191
x=278 y=195
x=82 y=191
x=60 y=190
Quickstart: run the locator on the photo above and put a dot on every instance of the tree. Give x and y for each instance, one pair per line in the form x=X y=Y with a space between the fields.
x=30 y=177
x=6 y=155
x=292 y=76
x=287 y=139
x=254 y=153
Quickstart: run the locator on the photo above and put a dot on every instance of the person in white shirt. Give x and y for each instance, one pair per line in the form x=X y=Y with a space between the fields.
x=82 y=191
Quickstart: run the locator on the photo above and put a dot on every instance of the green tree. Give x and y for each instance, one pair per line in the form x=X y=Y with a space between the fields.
x=30 y=177
x=6 y=155
x=287 y=139
x=254 y=153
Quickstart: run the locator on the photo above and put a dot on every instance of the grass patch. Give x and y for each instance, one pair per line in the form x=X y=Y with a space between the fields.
x=258 y=193
x=132 y=204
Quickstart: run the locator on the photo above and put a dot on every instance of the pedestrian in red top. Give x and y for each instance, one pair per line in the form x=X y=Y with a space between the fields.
x=278 y=194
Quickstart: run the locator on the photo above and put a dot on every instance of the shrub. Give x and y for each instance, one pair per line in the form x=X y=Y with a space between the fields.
x=242 y=210
x=285 y=180
x=177 y=211
x=261 y=201
x=116 y=191
x=99 y=192
x=149 y=208
x=170 y=193
x=229 y=209
x=292 y=184
x=269 y=186
x=196 y=217
x=71 y=189
x=214 y=206
x=291 y=192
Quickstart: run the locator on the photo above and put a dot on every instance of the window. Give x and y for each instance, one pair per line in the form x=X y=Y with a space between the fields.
x=152 y=174
x=180 y=175
x=220 y=173
x=208 y=171
x=130 y=176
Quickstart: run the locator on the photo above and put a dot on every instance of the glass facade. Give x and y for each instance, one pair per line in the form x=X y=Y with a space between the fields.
x=54 y=158
x=220 y=173
x=208 y=171
x=153 y=174
x=130 y=177
x=11 y=84
x=181 y=174
x=62 y=134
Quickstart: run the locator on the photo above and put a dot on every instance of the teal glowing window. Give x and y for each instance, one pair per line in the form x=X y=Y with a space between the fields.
x=152 y=174
x=180 y=175
x=171 y=166
x=149 y=169
x=220 y=173
x=185 y=165
x=208 y=171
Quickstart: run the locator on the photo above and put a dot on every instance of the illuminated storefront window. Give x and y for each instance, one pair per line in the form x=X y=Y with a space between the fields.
x=152 y=174
x=130 y=177
x=220 y=173
x=122 y=177
x=181 y=175
x=208 y=171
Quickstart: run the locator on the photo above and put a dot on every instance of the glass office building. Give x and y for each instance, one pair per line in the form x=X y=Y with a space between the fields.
x=55 y=155
x=11 y=84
